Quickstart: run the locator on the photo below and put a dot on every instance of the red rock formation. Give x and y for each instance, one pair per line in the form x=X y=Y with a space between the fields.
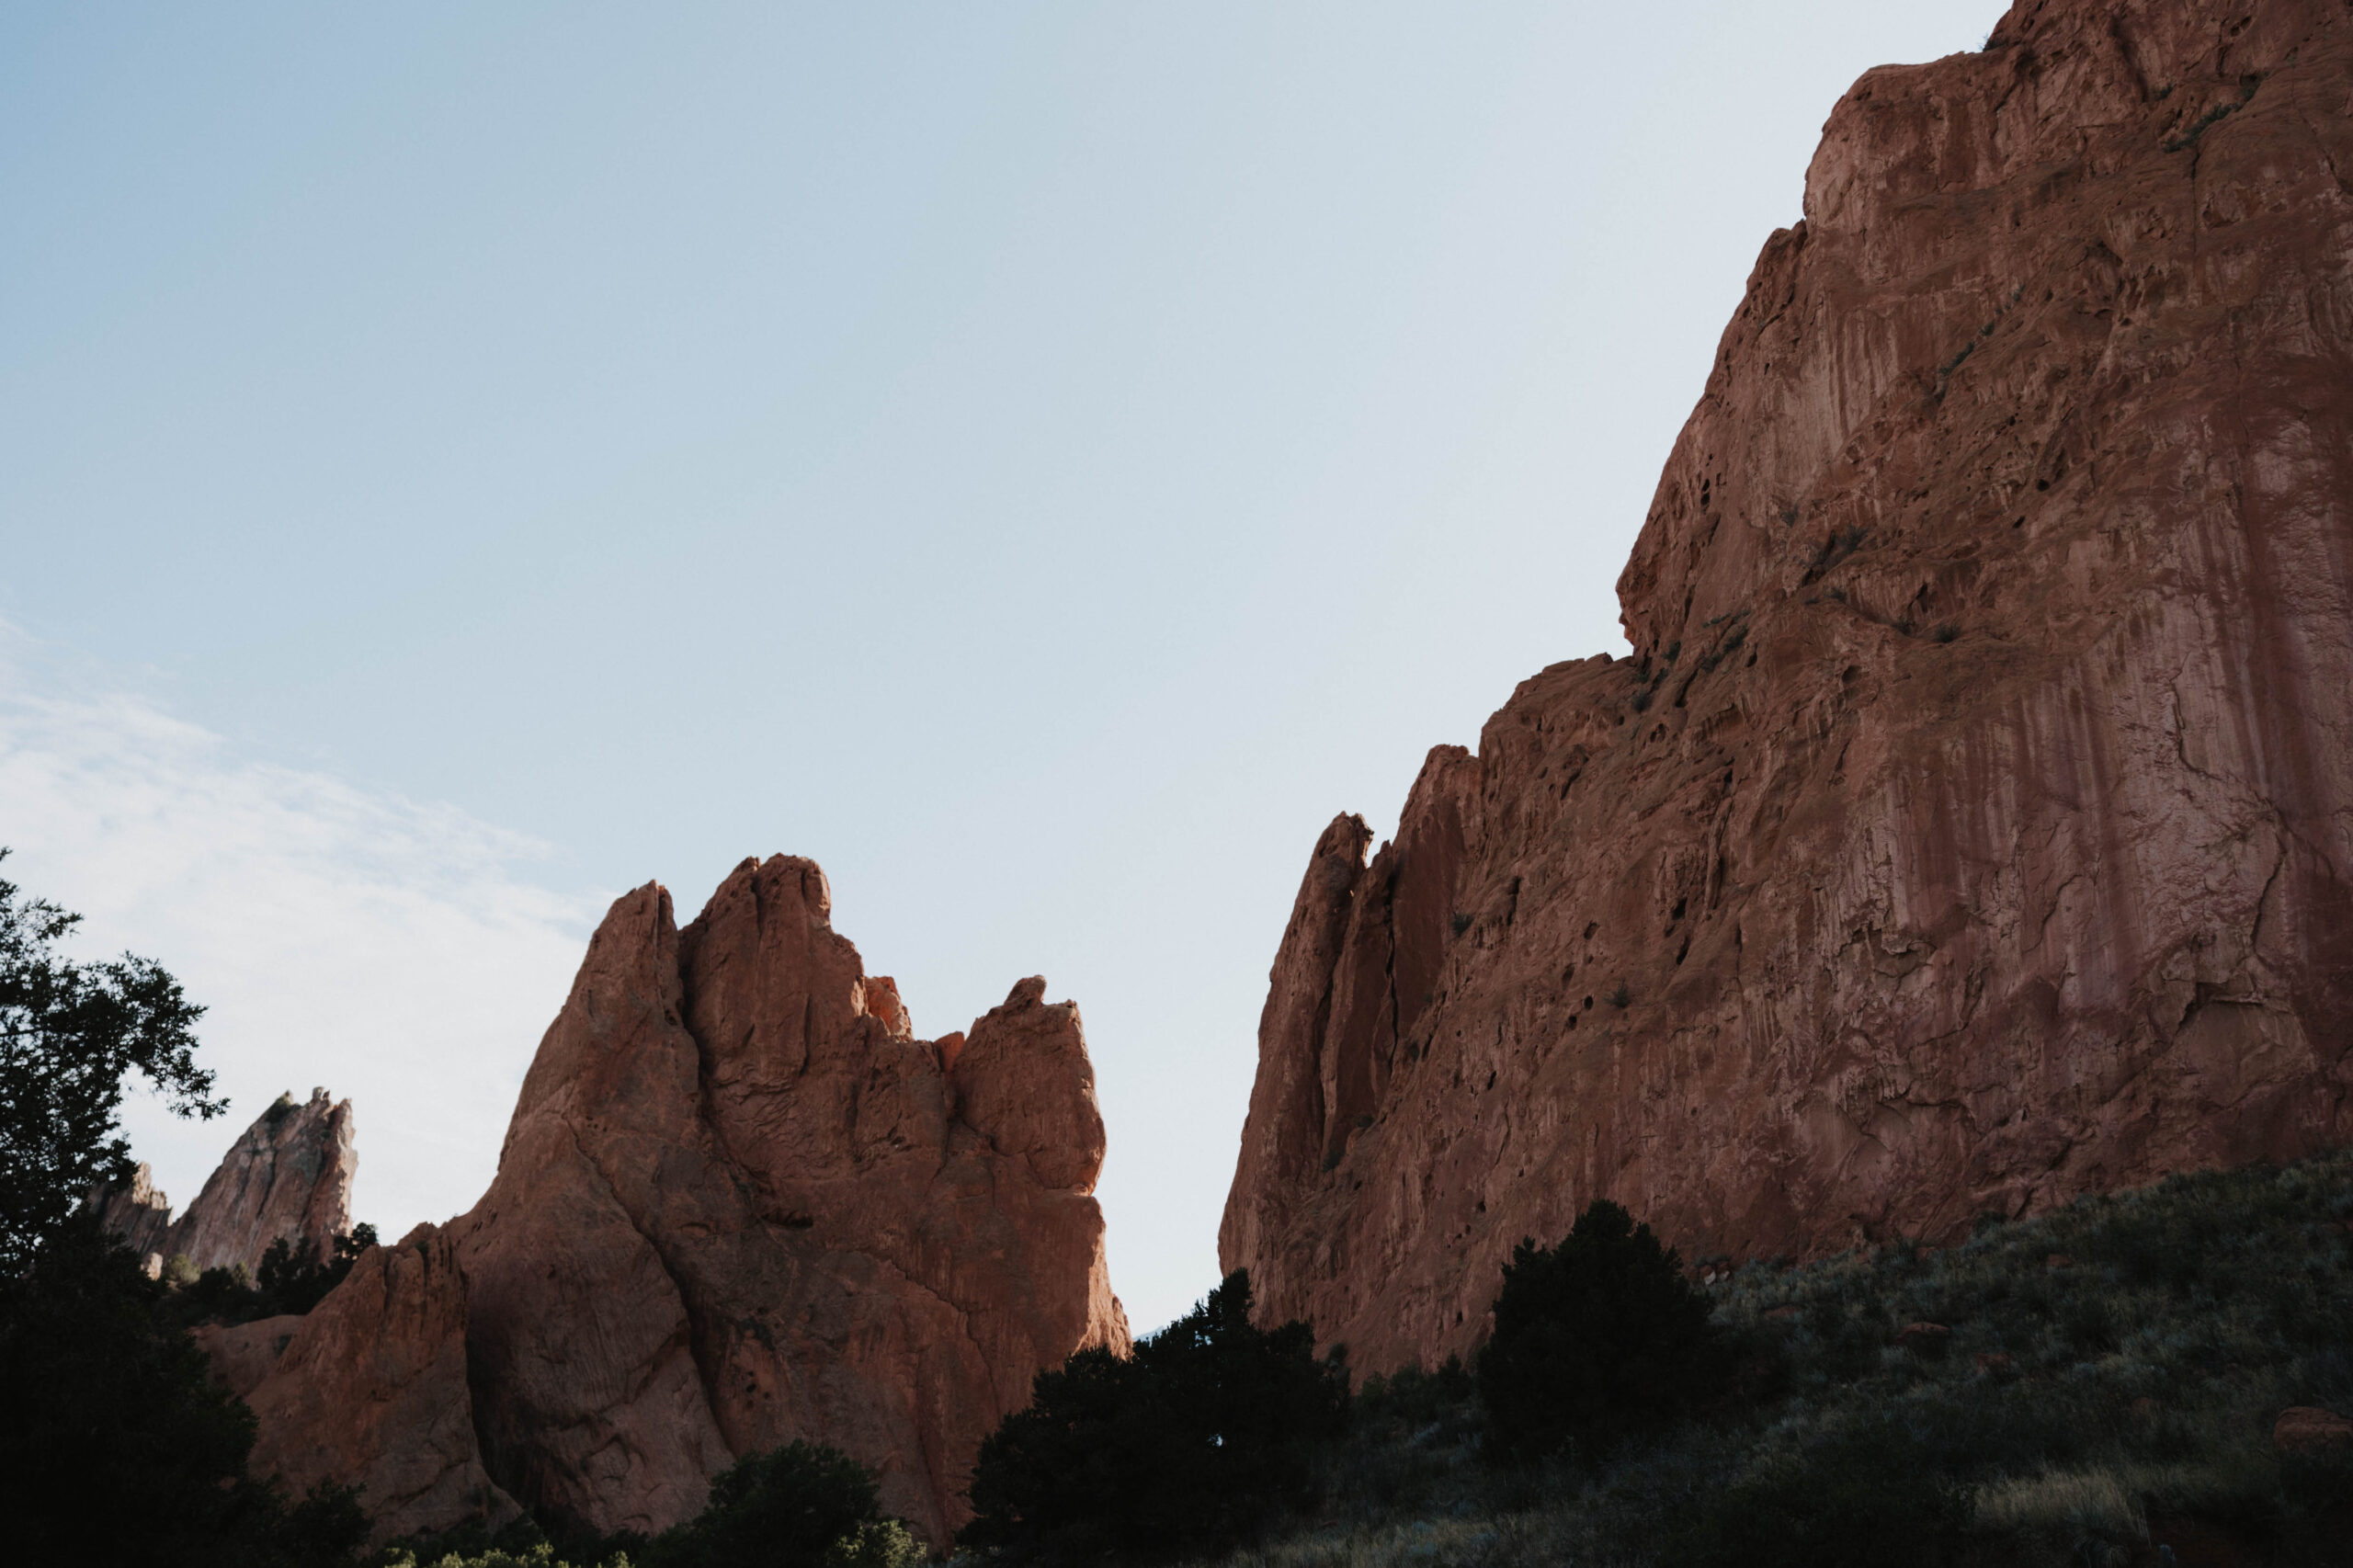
x=289 y=1176
x=1974 y=824
x=739 y=1204
x=138 y=1215
x=244 y=1354
x=369 y=1389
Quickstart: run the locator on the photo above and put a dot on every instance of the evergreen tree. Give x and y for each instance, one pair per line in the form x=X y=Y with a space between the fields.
x=1195 y=1442
x=1595 y=1339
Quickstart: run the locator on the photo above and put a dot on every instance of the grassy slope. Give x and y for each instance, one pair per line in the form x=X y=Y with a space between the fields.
x=2110 y=1386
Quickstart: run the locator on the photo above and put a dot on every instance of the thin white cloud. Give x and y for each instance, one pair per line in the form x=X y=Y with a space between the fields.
x=396 y=953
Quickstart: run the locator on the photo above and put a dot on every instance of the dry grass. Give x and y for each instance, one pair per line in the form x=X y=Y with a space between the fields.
x=2095 y=1502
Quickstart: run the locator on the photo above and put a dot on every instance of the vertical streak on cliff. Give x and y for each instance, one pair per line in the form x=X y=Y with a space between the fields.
x=1973 y=826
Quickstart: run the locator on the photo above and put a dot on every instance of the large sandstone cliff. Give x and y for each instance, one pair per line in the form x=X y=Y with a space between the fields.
x=1973 y=823
x=287 y=1178
x=739 y=1203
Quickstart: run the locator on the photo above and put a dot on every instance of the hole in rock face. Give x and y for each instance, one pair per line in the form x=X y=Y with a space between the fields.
x=1677 y=913
x=1572 y=1020
x=1588 y=1004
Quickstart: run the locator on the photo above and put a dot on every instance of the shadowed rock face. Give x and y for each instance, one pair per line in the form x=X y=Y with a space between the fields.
x=1973 y=823
x=289 y=1176
x=369 y=1389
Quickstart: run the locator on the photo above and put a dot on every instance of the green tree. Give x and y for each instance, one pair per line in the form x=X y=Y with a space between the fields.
x=115 y=1444
x=1595 y=1340
x=1196 y=1441
x=118 y=1446
x=70 y=1033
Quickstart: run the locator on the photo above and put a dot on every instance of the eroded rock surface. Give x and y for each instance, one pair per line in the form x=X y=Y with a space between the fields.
x=289 y=1175
x=369 y=1389
x=739 y=1203
x=1972 y=824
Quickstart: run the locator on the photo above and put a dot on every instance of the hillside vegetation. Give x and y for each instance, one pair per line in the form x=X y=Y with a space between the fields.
x=2105 y=1388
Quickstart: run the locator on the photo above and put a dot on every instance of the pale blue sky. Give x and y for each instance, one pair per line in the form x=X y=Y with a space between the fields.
x=1040 y=461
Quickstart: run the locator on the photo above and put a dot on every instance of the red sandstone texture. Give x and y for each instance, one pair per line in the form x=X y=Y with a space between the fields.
x=1971 y=826
x=369 y=1389
x=289 y=1176
x=739 y=1204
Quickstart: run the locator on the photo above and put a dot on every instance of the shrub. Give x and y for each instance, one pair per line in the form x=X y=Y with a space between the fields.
x=1412 y=1395
x=887 y=1544
x=1196 y=1441
x=292 y=1279
x=787 y=1508
x=1595 y=1340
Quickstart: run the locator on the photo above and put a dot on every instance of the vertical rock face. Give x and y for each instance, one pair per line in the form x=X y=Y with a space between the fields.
x=369 y=1390
x=289 y=1176
x=739 y=1203
x=1974 y=824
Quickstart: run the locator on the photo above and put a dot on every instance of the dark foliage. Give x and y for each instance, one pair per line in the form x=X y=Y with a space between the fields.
x=69 y=1033
x=291 y=1280
x=1867 y=1498
x=470 y=1542
x=805 y=1505
x=2108 y=1392
x=1413 y=1396
x=783 y=1509
x=1595 y=1340
x=1197 y=1441
x=117 y=1447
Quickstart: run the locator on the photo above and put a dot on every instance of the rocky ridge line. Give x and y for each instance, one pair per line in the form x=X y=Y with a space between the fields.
x=289 y=1176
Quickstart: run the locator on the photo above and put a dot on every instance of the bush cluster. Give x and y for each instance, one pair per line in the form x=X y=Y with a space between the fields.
x=803 y=1505
x=292 y=1278
x=1196 y=1441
